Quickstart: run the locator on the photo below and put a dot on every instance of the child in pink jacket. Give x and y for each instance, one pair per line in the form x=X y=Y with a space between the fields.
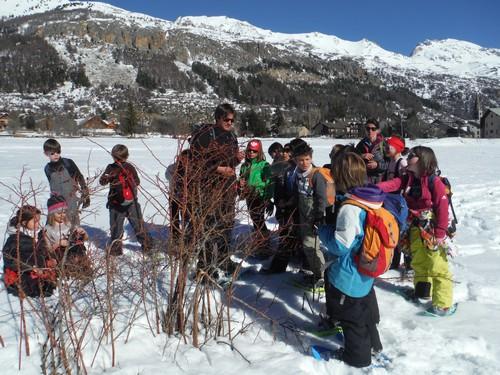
x=426 y=197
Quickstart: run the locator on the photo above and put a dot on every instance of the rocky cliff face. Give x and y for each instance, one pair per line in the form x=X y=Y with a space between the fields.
x=237 y=61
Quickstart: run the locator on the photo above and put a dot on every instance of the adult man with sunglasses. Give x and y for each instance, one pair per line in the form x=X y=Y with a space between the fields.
x=372 y=150
x=215 y=155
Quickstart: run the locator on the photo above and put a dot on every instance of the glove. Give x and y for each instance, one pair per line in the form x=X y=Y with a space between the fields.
x=448 y=247
x=270 y=208
x=440 y=241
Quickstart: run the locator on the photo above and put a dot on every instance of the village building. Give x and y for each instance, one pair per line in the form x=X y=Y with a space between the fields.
x=295 y=131
x=95 y=125
x=4 y=121
x=490 y=123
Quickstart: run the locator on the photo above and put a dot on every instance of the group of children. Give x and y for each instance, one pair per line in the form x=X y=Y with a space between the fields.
x=304 y=213
x=309 y=206
x=35 y=257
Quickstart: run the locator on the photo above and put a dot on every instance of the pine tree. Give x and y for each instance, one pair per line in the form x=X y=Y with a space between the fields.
x=130 y=120
x=145 y=80
x=29 y=122
x=277 y=121
x=79 y=77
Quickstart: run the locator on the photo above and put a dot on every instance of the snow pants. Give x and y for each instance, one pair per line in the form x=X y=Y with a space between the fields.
x=312 y=251
x=287 y=242
x=257 y=210
x=117 y=217
x=218 y=223
x=358 y=318
x=432 y=274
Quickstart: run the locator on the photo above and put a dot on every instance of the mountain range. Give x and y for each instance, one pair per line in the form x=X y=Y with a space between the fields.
x=198 y=61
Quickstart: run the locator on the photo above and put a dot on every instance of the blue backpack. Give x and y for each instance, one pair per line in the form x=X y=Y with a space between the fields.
x=395 y=203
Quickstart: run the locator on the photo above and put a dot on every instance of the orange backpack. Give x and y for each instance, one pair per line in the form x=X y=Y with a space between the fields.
x=330 y=184
x=381 y=237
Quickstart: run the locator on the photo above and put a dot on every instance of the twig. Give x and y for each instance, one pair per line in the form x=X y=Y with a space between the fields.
x=234 y=349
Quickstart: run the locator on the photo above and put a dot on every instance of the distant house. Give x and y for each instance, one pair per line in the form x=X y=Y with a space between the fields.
x=354 y=130
x=294 y=131
x=97 y=126
x=4 y=121
x=336 y=129
x=474 y=129
x=439 y=128
x=453 y=128
x=490 y=123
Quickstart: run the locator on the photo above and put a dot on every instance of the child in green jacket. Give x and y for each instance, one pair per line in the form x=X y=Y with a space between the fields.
x=256 y=188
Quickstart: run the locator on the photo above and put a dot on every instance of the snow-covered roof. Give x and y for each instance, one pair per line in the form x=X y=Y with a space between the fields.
x=496 y=111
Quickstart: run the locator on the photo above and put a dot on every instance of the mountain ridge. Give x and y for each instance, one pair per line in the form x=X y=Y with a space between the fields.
x=462 y=58
x=195 y=62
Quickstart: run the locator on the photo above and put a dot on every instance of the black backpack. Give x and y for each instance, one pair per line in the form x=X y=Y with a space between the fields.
x=199 y=129
x=452 y=229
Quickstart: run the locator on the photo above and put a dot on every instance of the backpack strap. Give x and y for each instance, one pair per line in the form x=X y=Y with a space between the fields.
x=357 y=204
x=310 y=176
x=431 y=180
x=398 y=163
x=47 y=172
x=69 y=167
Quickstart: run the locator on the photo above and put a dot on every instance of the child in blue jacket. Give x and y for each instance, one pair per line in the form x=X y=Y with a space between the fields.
x=350 y=297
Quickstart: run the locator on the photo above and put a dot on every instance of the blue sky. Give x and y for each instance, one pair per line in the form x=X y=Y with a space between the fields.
x=396 y=25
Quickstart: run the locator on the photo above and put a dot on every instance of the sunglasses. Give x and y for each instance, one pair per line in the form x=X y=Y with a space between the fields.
x=371 y=128
x=54 y=153
x=229 y=120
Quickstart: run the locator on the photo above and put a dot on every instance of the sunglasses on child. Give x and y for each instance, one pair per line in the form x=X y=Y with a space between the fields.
x=371 y=128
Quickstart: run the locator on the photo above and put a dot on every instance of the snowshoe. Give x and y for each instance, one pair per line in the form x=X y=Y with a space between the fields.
x=439 y=312
x=322 y=353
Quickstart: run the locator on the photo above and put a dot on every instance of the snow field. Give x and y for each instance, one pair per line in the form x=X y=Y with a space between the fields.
x=466 y=343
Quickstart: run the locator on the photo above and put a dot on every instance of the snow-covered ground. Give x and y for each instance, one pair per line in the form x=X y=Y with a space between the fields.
x=466 y=343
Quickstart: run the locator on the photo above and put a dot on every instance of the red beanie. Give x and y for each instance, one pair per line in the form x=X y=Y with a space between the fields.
x=397 y=143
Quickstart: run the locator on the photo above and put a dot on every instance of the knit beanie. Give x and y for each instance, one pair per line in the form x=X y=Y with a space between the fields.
x=56 y=203
x=397 y=143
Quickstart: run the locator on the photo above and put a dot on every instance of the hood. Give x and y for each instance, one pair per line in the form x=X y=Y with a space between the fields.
x=369 y=195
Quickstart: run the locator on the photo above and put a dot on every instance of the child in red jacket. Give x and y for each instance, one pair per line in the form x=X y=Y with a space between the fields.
x=428 y=230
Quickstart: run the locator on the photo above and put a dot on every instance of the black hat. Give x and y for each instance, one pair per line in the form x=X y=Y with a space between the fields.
x=276 y=146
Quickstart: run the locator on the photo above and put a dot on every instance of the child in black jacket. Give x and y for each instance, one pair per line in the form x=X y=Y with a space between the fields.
x=122 y=200
x=28 y=269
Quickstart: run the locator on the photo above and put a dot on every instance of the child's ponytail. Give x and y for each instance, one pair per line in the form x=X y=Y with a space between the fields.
x=23 y=215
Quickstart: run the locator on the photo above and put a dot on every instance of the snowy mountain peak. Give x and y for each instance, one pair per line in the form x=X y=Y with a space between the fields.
x=448 y=56
x=16 y=8
x=445 y=47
